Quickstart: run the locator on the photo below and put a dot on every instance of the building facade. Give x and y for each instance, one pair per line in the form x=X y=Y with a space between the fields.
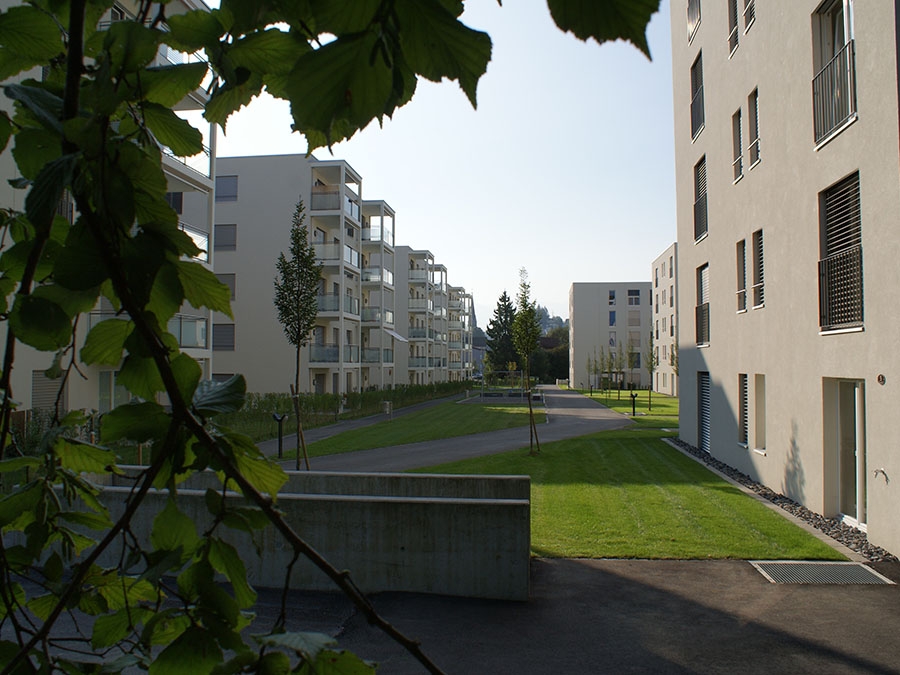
x=190 y=185
x=609 y=318
x=384 y=309
x=787 y=182
x=664 y=272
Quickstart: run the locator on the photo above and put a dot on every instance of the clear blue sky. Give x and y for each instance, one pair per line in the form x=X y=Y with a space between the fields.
x=566 y=168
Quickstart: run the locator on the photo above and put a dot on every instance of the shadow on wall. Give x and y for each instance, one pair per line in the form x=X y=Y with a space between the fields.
x=794 y=478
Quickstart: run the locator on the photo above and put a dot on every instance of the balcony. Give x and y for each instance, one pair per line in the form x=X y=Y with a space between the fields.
x=200 y=239
x=834 y=93
x=328 y=254
x=351 y=353
x=841 y=290
x=325 y=353
x=455 y=345
x=371 y=355
x=421 y=305
x=421 y=333
x=372 y=314
x=418 y=361
x=701 y=319
x=419 y=276
x=190 y=331
x=325 y=198
x=377 y=275
x=455 y=325
x=199 y=163
x=333 y=302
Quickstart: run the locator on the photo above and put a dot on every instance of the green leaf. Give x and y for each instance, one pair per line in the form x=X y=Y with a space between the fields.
x=15 y=260
x=436 y=45
x=78 y=265
x=27 y=36
x=131 y=45
x=166 y=296
x=139 y=422
x=232 y=97
x=33 y=149
x=73 y=302
x=213 y=397
x=193 y=31
x=43 y=198
x=606 y=20
x=110 y=629
x=274 y=663
x=340 y=17
x=77 y=456
x=187 y=374
x=263 y=474
x=173 y=132
x=269 y=51
x=202 y=288
x=93 y=521
x=40 y=323
x=45 y=106
x=307 y=645
x=173 y=530
x=225 y=559
x=8 y=650
x=19 y=463
x=340 y=81
x=337 y=663
x=140 y=376
x=106 y=342
x=194 y=651
x=168 y=85
x=6 y=129
x=42 y=605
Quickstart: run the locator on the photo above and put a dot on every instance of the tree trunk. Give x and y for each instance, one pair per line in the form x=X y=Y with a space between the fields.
x=532 y=427
x=295 y=397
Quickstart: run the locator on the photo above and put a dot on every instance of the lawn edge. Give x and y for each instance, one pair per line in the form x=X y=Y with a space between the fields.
x=846 y=551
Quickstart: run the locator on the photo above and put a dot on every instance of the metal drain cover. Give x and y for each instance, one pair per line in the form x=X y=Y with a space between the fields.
x=793 y=572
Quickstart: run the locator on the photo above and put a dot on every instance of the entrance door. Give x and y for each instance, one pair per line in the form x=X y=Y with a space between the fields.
x=852 y=450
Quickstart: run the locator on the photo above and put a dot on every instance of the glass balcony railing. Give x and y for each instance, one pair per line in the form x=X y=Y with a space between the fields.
x=371 y=355
x=351 y=353
x=371 y=314
x=418 y=275
x=421 y=304
x=327 y=253
x=418 y=361
x=190 y=331
x=324 y=353
x=325 y=198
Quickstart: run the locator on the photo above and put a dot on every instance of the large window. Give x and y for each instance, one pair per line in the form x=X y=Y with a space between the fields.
x=229 y=280
x=697 y=116
x=834 y=84
x=634 y=296
x=753 y=114
x=226 y=188
x=702 y=308
x=732 y=25
x=737 y=146
x=225 y=237
x=701 y=224
x=743 y=409
x=841 y=265
x=223 y=337
x=759 y=284
x=741 y=265
x=693 y=17
x=749 y=13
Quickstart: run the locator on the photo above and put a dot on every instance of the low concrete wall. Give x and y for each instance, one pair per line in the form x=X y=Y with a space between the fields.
x=429 y=533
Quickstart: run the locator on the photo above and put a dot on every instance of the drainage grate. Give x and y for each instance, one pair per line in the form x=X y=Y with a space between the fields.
x=792 y=572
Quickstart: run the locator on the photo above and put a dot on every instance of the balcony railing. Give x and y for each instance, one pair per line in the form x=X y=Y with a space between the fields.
x=418 y=275
x=325 y=353
x=200 y=239
x=371 y=314
x=351 y=353
x=421 y=304
x=701 y=223
x=377 y=275
x=841 y=290
x=333 y=302
x=834 y=93
x=421 y=334
x=325 y=198
x=702 y=323
x=327 y=253
x=190 y=331
x=418 y=361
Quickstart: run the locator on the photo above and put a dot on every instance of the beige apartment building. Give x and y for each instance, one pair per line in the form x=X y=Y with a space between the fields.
x=383 y=309
x=190 y=184
x=788 y=190
x=604 y=317
x=665 y=318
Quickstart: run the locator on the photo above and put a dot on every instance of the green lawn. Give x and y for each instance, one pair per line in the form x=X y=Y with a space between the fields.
x=446 y=420
x=626 y=494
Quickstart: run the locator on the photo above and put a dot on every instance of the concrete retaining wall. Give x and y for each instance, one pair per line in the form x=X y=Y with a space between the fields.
x=445 y=534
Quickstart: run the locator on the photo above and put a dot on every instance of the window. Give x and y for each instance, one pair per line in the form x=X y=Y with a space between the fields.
x=672 y=326
x=671 y=296
x=657 y=329
x=612 y=297
x=612 y=338
x=693 y=18
x=664 y=325
x=664 y=297
x=634 y=317
x=656 y=277
x=743 y=409
x=176 y=201
x=759 y=295
x=697 y=117
x=753 y=113
x=634 y=297
x=671 y=266
x=759 y=427
x=741 y=265
x=228 y=280
x=834 y=84
x=701 y=225
x=612 y=318
x=749 y=14
x=702 y=308
x=111 y=393
x=737 y=146
x=223 y=337
x=732 y=26
x=840 y=269
x=225 y=237
x=226 y=188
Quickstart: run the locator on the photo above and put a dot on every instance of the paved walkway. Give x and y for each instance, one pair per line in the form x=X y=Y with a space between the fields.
x=569 y=414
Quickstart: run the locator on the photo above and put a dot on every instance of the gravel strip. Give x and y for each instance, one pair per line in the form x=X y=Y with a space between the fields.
x=850 y=537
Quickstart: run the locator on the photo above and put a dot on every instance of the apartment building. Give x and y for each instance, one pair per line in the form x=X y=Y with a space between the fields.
x=460 y=324
x=190 y=185
x=383 y=309
x=664 y=273
x=604 y=317
x=788 y=181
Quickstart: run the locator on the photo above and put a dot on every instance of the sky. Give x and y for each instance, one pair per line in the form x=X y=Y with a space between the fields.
x=566 y=168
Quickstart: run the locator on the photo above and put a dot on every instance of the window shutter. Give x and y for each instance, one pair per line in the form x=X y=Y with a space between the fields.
x=843 y=221
x=703 y=411
x=703 y=285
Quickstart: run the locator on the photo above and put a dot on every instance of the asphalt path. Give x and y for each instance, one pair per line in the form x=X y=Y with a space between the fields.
x=569 y=414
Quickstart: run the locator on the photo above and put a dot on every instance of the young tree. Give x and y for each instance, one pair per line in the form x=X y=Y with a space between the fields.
x=673 y=357
x=651 y=362
x=621 y=361
x=501 y=350
x=526 y=338
x=94 y=127
x=296 y=290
